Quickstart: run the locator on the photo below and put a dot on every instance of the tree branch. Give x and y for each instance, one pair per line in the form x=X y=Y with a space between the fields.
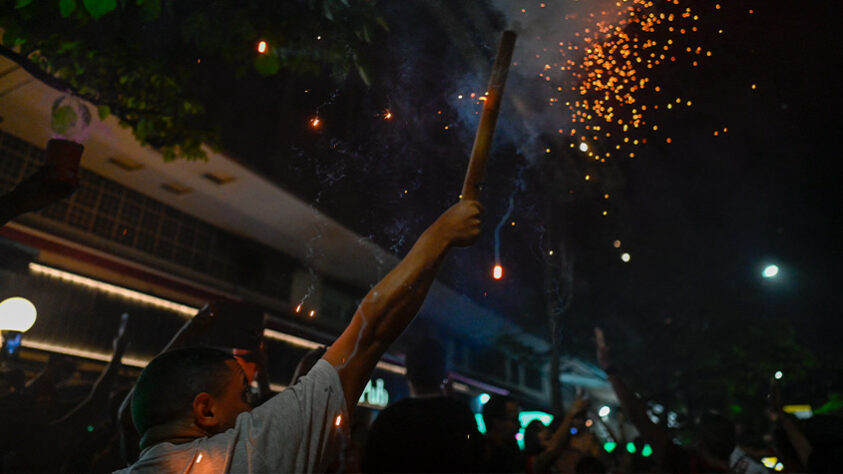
x=44 y=76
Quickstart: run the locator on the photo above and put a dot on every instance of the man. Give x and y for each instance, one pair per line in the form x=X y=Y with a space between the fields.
x=212 y=429
x=427 y=432
x=500 y=414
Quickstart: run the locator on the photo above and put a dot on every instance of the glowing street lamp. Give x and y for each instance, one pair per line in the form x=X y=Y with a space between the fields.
x=17 y=315
x=770 y=271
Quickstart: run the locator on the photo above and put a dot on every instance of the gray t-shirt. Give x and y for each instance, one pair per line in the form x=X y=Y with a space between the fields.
x=294 y=431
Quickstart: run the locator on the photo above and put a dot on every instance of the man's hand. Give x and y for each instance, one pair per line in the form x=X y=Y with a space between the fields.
x=460 y=224
x=602 y=349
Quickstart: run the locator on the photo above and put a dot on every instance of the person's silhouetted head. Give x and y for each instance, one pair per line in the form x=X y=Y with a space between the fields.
x=426 y=366
x=536 y=437
x=198 y=386
x=500 y=414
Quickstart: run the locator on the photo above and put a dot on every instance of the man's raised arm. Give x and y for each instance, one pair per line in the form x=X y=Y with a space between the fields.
x=390 y=306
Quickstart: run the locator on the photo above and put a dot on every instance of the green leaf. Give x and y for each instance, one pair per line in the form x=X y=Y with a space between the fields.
x=103 y=111
x=66 y=7
x=267 y=64
x=98 y=8
x=64 y=118
x=22 y=3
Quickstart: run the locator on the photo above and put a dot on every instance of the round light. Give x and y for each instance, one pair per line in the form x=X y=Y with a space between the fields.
x=484 y=397
x=625 y=257
x=497 y=272
x=583 y=147
x=17 y=314
x=778 y=375
x=604 y=411
x=262 y=47
x=770 y=271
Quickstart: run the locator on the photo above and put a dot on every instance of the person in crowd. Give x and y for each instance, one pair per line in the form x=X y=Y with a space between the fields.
x=60 y=436
x=428 y=432
x=500 y=415
x=811 y=445
x=581 y=442
x=232 y=327
x=714 y=433
x=190 y=404
x=542 y=448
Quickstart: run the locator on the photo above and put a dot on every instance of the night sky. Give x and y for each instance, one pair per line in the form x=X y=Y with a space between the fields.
x=700 y=216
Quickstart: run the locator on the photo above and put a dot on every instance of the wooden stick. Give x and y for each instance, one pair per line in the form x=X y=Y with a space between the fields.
x=488 y=119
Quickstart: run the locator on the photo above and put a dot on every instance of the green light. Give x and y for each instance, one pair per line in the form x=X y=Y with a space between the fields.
x=481 y=426
x=647 y=451
x=525 y=417
x=610 y=446
x=90 y=429
x=630 y=447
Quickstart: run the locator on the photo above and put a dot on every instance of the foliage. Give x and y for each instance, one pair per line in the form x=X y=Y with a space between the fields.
x=697 y=362
x=151 y=63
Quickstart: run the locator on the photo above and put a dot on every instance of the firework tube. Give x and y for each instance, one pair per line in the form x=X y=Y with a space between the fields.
x=486 y=128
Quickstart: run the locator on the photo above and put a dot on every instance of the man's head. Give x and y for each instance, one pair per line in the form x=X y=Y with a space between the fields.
x=198 y=386
x=500 y=414
x=536 y=437
x=426 y=366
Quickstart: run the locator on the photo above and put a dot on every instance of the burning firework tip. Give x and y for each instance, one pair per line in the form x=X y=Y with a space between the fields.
x=262 y=46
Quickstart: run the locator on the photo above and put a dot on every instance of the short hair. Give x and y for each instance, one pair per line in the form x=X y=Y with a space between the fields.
x=495 y=408
x=167 y=386
x=426 y=364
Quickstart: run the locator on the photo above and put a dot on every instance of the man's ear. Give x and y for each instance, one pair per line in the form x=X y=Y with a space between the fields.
x=204 y=411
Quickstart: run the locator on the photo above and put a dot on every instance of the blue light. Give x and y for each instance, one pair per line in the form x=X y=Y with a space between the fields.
x=573 y=431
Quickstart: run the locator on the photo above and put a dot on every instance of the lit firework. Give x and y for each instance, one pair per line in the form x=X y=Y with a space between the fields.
x=601 y=75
